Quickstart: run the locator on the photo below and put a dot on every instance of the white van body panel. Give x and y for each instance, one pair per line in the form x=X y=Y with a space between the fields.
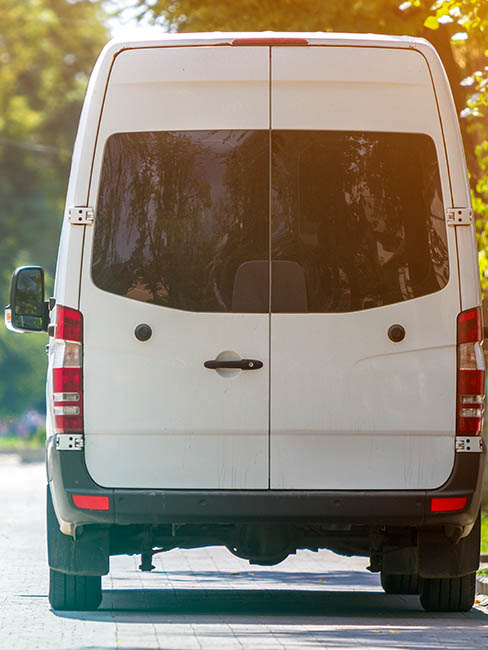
x=387 y=414
x=155 y=417
x=461 y=197
x=468 y=267
x=339 y=417
x=174 y=89
x=174 y=423
x=370 y=405
x=68 y=267
x=351 y=88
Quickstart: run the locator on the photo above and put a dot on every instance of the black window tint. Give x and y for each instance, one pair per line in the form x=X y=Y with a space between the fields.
x=179 y=213
x=361 y=214
x=183 y=220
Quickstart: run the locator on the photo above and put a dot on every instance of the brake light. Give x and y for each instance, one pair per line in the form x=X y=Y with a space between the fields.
x=279 y=40
x=471 y=376
x=448 y=504
x=68 y=371
x=69 y=324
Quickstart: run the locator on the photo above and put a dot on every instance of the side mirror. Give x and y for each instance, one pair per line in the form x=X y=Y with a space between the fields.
x=27 y=311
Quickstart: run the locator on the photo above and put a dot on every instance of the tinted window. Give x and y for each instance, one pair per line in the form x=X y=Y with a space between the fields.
x=179 y=213
x=361 y=214
x=357 y=220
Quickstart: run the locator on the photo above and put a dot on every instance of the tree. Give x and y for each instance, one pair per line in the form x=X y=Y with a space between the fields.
x=47 y=50
x=287 y=15
x=468 y=20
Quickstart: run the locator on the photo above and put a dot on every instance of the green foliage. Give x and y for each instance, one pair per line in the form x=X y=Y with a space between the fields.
x=468 y=19
x=470 y=15
x=23 y=367
x=484 y=532
x=480 y=205
x=286 y=15
x=14 y=443
x=468 y=22
x=47 y=50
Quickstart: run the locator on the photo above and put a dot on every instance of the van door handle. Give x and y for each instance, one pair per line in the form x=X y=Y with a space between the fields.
x=243 y=364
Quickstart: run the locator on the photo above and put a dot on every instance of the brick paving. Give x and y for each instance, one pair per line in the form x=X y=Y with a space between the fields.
x=207 y=598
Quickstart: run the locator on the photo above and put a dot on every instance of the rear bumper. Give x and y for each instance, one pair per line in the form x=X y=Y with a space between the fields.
x=68 y=475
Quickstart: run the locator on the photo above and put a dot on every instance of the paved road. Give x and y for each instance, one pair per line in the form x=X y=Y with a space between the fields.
x=207 y=598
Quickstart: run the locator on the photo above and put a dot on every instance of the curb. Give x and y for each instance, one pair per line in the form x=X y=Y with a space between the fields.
x=27 y=455
x=32 y=455
x=482 y=586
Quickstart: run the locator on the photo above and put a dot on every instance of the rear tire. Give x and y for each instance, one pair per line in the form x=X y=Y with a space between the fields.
x=400 y=583
x=448 y=594
x=72 y=592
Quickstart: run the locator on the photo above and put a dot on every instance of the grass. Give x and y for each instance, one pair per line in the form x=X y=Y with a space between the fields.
x=484 y=532
x=14 y=443
x=484 y=540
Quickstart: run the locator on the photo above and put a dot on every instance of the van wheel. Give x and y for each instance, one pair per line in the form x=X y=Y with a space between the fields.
x=70 y=592
x=448 y=594
x=400 y=583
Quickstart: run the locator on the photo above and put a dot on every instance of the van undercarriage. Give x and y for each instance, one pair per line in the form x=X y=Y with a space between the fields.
x=393 y=550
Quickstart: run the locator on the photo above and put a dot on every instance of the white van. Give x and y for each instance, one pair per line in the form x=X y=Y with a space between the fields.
x=265 y=331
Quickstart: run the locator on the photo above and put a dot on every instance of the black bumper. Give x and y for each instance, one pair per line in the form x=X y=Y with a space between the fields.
x=68 y=475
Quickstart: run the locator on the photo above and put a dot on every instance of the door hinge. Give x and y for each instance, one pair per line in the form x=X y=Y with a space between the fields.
x=471 y=444
x=69 y=441
x=81 y=216
x=459 y=216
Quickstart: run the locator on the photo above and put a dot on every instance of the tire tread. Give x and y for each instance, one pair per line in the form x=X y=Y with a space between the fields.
x=448 y=594
x=74 y=593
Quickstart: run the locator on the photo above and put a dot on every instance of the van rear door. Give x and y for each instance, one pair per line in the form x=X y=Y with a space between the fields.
x=359 y=189
x=184 y=133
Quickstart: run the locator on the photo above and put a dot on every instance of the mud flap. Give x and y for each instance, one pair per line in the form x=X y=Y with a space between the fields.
x=441 y=558
x=87 y=556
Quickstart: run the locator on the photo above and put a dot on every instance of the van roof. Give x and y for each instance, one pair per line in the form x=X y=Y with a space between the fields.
x=155 y=37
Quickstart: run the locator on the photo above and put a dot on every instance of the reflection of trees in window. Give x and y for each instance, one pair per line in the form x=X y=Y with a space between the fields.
x=179 y=212
x=245 y=209
x=362 y=213
x=29 y=293
x=150 y=200
x=175 y=215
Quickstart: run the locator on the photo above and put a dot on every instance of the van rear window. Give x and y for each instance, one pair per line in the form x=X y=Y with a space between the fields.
x=362 y=213
x=184 y=220
x=178 y=213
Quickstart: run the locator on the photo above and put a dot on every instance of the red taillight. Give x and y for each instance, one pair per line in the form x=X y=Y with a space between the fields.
x=68 y=372
x=90 y=502
x=448 y=504
x=470 y=402
x=469 y=326
x=68 y=400
x=69 y=324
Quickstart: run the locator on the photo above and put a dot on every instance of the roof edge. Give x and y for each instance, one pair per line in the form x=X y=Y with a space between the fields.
x=155 y=37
